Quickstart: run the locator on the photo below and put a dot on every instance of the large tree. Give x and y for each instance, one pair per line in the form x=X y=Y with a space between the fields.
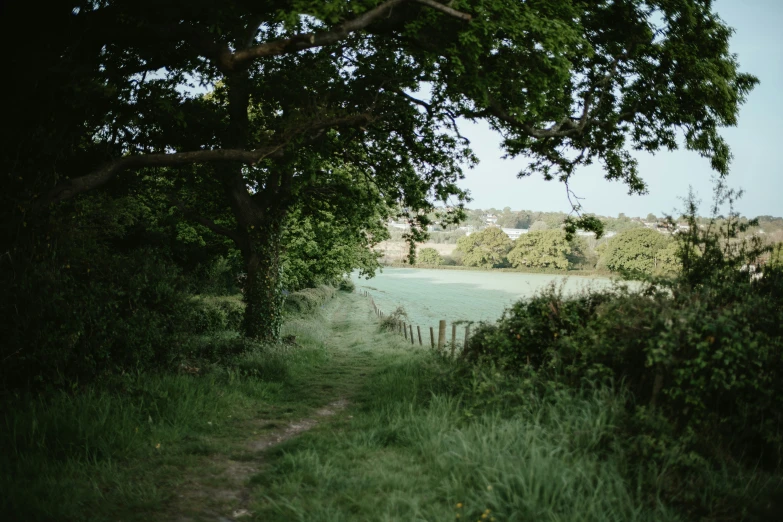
x=640 y=250
x=543 y=248
x=485 y=249
x=307 y=89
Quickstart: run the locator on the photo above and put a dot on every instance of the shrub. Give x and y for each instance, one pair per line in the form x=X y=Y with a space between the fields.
x=430 y=256
x=392 y=321
x=347 y=285
x=220 y=277
x=213 y=313
x=308 y=300
x=700 y=354
x=455 y=259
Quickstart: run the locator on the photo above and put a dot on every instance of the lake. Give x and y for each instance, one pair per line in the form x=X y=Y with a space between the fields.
x=454 y=295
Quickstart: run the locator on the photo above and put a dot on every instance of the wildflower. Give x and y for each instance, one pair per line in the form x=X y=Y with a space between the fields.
x=157 y=446
x=459 y=505
x=489 y=488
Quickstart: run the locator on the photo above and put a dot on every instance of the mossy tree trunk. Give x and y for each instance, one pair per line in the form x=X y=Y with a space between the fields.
x=263 y=294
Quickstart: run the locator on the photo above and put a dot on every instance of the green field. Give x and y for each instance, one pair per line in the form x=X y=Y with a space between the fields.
x=461 y=295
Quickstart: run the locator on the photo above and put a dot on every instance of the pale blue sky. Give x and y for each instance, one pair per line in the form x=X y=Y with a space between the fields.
x=757 y=143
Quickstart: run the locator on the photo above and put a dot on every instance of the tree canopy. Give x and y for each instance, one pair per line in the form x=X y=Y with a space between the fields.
x=351 y=105
x=485 y=249
x=543 y=248
x=640 y=250
x=430 y=256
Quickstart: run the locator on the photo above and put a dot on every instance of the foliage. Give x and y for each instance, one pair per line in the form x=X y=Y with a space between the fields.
x=346 y=285
x=96 y=290
x=621 y=223
x=639 y=250
x=312 y=102
x=118 y=448
x=323 y=243
x=220 y=277
x=429 y=256
x=776 y=256
x=545 y=248
x=391 y=322
x=308 y=300
x=700 y=354
x=487 y=248
x=212 y=313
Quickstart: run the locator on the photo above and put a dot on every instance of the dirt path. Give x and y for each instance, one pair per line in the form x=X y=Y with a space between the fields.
x=221 y=493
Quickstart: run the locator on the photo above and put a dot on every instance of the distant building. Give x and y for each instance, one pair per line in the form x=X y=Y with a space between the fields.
x=514 y=233
x=401 y=226
x=587 y=233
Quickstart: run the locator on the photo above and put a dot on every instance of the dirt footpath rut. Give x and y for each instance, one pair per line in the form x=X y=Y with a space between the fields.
x=221 y=493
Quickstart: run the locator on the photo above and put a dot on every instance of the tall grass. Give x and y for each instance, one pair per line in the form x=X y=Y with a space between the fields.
x=116 y=450
x=413 y=452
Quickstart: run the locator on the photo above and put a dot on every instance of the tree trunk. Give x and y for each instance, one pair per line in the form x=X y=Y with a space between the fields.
x=263 y=294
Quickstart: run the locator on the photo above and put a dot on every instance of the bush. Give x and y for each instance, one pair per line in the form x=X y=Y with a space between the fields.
x=391 y=322
x=308 y=300
x=96 y=286
x=220 y=277
x=347 y=285
x=213 y=313
x=700 y=356
x=430 y=256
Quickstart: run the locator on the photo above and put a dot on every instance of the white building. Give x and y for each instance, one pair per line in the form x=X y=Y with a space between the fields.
x=514 y=233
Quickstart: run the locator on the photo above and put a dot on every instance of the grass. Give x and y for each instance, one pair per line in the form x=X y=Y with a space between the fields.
x=119 y=451
x=413 y=443
x=410 y=452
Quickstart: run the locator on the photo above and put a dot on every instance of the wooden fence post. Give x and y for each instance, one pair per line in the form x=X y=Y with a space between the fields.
x=418 y=330
x=432 y=337
x=453 y=338
x=411 y=328
x=441 y=334
x=467 y=334
x=405 y=330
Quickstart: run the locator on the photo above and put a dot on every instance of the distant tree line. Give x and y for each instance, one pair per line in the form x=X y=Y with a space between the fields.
x=639 y=250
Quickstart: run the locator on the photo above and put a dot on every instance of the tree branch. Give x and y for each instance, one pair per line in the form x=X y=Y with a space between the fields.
x=445 y=9
x=568 y=126
x=107 y=172
x=427 y=106
x=309 y=40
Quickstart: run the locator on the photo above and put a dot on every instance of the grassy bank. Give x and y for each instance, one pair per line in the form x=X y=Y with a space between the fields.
x=122 y=450
x=348 y=423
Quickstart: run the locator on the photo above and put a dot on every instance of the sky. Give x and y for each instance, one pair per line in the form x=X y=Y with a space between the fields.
x=756 y=144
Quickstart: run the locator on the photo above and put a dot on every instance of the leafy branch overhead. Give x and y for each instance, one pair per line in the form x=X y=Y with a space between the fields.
x=259 y=111
x=566 y=84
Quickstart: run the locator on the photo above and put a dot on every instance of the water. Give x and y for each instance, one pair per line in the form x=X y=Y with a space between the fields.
x=460 y=295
